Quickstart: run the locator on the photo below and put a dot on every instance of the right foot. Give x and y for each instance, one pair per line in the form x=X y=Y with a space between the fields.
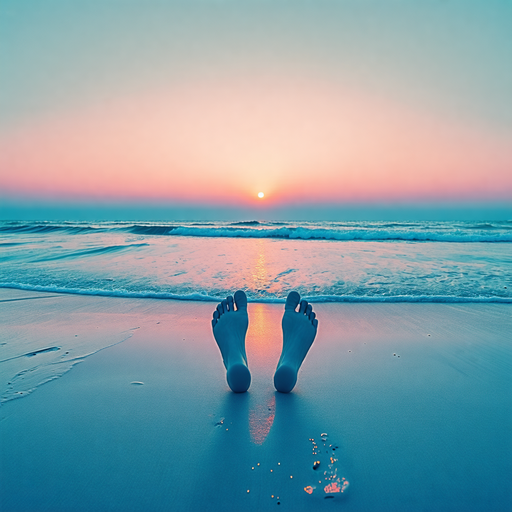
x=299 y=331
x=229 y=330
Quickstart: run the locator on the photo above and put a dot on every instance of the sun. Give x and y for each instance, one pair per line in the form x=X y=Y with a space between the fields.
x=261 y=195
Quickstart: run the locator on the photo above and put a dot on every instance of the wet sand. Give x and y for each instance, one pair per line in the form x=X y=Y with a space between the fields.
x=415 y=399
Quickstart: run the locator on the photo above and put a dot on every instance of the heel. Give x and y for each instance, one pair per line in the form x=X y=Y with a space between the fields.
x=239 y=378
x=285 y=379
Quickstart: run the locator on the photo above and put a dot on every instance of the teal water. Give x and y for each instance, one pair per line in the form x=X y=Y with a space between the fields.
x=324 y=261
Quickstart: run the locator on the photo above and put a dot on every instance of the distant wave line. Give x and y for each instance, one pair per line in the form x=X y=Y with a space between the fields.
x=255 y=229
x=49 y=228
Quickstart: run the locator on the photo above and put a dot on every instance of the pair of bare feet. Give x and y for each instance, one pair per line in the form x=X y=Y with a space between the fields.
x=230 y=327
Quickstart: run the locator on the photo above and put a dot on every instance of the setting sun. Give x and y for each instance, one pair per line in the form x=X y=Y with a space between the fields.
x=261 y=195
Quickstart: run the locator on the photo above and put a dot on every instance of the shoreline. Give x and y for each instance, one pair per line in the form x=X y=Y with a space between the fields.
x=320 y=299
x=148 y=420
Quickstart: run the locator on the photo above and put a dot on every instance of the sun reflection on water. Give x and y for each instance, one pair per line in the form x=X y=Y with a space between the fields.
x=259 y=272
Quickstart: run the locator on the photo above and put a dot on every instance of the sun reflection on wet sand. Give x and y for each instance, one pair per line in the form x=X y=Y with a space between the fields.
x=264 y=338
x=263 y=347
x=261 y=419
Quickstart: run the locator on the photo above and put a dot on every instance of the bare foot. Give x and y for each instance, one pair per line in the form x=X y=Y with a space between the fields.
x=229 y=330
x=299 y=331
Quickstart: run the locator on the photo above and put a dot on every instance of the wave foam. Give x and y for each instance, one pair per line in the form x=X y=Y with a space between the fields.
x=269 y=300
x=377 y=235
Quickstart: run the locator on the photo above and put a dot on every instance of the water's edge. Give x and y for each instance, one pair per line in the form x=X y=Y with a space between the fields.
x=266 y=300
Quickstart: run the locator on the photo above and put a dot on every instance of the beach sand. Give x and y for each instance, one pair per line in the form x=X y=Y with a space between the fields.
x=415 y=399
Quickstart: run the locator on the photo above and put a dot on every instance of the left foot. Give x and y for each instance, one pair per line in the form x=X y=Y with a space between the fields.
x=229 y=330
x=299 y=331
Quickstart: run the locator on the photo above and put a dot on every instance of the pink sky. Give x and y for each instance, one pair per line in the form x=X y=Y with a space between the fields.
x=224 y=142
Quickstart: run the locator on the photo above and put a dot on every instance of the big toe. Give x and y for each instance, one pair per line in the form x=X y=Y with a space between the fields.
x=240 y=300
x=292 y=301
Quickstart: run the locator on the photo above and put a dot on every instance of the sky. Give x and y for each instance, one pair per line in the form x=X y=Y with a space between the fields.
x=204 y=104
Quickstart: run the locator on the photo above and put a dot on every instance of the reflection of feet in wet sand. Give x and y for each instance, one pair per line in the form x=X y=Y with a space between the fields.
x=299 y=331
x=229 y=329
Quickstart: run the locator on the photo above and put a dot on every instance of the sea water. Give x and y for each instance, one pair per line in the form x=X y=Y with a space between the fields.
x=323 y=261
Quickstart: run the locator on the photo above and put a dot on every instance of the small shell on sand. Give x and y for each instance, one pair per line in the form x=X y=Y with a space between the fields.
x=137 y=383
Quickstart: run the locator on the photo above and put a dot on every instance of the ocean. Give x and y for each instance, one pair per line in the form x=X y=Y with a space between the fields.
x=323 y=261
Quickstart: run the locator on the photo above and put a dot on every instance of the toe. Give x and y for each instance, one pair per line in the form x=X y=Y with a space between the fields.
x=303 y=306
x=292 y=301
x=309 y=310
x=315 y=323
x=224 y=305
x=240 y=300
x=230 y=303
x=220 y=309
x=312 y=316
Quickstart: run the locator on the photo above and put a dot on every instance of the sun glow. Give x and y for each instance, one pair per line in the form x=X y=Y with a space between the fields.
x=178 y=138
